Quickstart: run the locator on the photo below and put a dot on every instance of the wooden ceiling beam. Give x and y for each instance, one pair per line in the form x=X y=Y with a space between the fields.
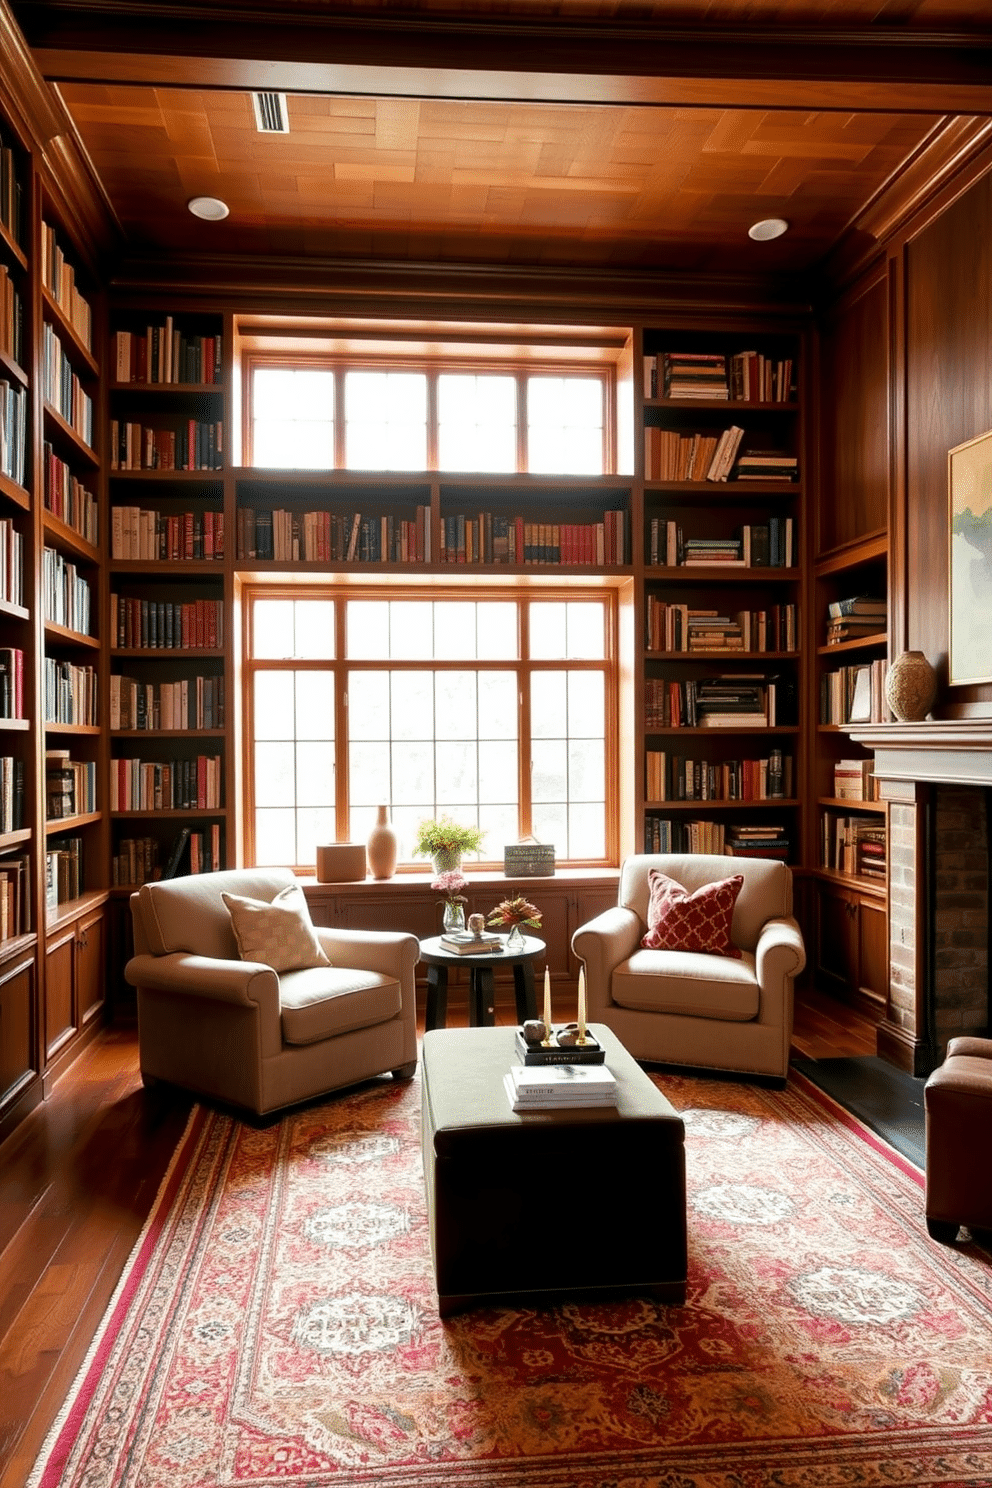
x=506 y=60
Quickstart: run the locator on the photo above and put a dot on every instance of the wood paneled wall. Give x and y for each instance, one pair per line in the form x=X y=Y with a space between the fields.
x=948 y=380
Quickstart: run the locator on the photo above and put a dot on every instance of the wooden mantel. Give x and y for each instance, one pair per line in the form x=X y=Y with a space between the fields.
x=956 y=751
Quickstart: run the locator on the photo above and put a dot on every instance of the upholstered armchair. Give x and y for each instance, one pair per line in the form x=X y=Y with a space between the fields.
x=226 y=1025
x=675 y=1006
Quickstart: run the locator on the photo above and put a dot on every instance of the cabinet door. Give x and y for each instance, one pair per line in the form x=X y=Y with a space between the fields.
x=16 y=1004
x=837 y=940
x=91 y=979
x=59 y=975
x=873 y=953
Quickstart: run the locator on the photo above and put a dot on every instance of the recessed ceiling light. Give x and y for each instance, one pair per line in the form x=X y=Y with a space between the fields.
x=210 y=208
x=767 y=228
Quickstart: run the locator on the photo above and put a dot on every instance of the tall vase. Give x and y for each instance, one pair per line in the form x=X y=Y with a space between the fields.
x=910 y=687
x=381 y=847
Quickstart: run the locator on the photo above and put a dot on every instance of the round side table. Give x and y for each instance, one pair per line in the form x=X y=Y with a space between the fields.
x=481 y=981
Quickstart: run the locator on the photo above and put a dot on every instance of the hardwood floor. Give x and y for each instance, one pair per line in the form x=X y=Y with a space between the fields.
x=77 y=1180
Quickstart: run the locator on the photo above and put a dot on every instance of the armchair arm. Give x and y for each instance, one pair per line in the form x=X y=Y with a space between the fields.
x=244 y=983
x=389 y=952
x=601 y=945
x=780 y=951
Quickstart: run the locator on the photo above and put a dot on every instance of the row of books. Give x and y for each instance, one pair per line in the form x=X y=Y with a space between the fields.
x=194 y=703
x=137 y=859
x=70 y=785
x=166 y=625
x=853 y=619
x=195 y=444
x=13 y=430
x=11 y=682
x=11 y=317
x=764 y=840
x=59 y=278
x=71 y=693
x=66 y=594
x=770 y=544
x=15 y=896
x=163 y=353
x=558 y=1087
x=11 y=195
x=332 y=537
x=488 y=538
x=11 y=794
x=166 y=785
x=767 y=465
x=63 y=388
x=139 y=533
x=11 y=562
x=745 y=376
x=63 y=871
x=671 y=456
x=854 y=694
x=855 y=845
x=742 y=701
x=679 y=627
x=69 y=500
x=855 y=780
x=675 y=777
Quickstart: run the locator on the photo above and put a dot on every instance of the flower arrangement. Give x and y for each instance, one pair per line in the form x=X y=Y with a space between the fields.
x=443 y=834
x=515 y=912
x=450 y=884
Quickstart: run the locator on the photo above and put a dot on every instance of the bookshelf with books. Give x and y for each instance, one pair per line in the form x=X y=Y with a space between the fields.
x=333 y=517
x=723 y=591
x=534 y=521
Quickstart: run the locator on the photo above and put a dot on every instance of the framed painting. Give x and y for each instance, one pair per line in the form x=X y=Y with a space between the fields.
x=969 y=480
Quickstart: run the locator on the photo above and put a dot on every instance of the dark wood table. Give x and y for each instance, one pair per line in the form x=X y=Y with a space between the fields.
x=481 y=980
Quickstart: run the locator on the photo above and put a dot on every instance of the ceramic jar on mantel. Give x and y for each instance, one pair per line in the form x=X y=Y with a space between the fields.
x=910 y=687
x=381 y=848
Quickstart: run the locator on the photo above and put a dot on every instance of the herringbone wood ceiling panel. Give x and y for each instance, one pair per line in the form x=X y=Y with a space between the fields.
x=488 y=182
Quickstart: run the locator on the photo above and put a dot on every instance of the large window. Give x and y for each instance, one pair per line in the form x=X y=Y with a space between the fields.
x=498 y=710
x=373 y=418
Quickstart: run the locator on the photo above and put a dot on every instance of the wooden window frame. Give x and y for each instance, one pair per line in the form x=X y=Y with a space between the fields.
x=523 y=595
x=433 y=368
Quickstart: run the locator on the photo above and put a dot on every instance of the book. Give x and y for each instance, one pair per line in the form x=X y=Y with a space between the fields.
x=545 y=1054
x=172 y=866
x=574 y=1102
x=471 y=945
x=563 y=1082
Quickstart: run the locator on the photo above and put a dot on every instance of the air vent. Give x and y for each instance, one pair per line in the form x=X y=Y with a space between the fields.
x=271 y=114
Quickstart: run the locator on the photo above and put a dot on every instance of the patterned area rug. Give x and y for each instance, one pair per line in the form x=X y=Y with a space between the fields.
x=277 y=1324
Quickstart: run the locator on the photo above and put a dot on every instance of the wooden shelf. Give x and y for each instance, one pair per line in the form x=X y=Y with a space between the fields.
x=71 y=823
x=841 y=803
x=874 y=886
x=770 y=803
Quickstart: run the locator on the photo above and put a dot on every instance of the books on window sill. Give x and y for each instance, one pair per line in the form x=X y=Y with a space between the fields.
x=467 y=944
x=559 y=1087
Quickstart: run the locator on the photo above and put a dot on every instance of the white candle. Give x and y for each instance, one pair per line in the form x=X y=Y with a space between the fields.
x=582 y=1005
x=547 y=1003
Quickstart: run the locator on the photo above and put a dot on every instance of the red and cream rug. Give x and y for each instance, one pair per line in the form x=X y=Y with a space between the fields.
x=277 y=1324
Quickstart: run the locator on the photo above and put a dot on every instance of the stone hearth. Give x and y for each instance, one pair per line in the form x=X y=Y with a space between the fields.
x=937 y=779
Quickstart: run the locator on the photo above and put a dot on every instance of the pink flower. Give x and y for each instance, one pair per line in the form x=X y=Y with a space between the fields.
x=450 y=884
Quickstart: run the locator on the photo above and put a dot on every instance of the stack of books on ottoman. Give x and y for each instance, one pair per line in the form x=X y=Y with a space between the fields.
x=556 y=1087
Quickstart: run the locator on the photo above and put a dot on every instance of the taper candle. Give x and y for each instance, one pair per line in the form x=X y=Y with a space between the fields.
x=547 y=1004
x=582 y=1004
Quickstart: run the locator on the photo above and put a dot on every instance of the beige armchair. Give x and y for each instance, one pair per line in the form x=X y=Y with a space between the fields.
x=237 y=1031
x=680 y=1007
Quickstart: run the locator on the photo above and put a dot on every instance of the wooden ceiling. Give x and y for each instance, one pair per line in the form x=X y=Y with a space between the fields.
x=588 y=134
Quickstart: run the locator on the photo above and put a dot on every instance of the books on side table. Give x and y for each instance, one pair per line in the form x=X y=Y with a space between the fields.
x=559 y=1087
x=464 y=943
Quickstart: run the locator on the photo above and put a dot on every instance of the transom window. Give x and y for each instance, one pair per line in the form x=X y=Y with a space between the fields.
x=400 y=418
x=498 y=710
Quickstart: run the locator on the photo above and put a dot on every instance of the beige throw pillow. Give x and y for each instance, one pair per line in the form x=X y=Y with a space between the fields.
x=280 y=934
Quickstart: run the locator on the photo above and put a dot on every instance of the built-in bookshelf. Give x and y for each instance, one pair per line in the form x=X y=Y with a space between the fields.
x=722 y=592
x=169 y=596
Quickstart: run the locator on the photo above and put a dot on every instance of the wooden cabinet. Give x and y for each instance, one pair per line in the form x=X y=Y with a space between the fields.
x=18 y=1052
x=852 y=947
x=75 y=981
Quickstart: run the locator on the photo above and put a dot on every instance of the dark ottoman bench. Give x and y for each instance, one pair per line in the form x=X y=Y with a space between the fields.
x=545 y=1204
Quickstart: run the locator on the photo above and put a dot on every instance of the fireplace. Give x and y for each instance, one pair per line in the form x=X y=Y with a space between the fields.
x=937 y=779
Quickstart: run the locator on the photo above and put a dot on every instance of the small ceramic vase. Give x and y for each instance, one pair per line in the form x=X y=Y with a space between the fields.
x=381 y=847
x=910 y=687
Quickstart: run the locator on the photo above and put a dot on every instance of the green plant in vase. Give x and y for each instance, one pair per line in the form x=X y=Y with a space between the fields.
x=444 y=841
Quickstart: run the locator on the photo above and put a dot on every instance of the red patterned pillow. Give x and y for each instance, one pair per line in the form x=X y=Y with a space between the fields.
x=680 y=921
